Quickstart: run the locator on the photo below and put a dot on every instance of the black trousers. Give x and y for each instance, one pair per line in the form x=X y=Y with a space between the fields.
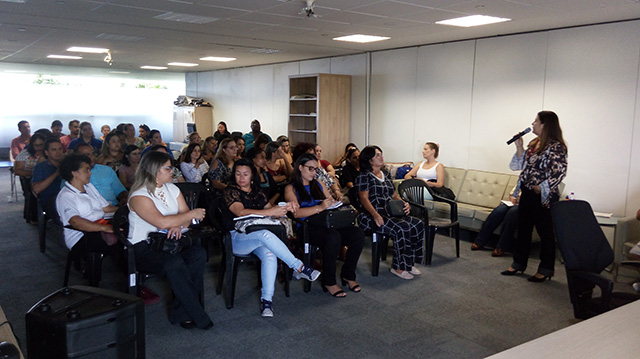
x=330 y=241
x=531 y=213
x=185 y=273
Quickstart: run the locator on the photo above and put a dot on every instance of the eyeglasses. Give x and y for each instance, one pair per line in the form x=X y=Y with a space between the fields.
x=167 y=168
x=232 y=147
x=311 y=168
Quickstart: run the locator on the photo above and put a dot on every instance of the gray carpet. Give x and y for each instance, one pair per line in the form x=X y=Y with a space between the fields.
x=459 y=308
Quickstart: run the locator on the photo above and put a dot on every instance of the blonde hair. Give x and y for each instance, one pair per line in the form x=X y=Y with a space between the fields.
x=147 y=171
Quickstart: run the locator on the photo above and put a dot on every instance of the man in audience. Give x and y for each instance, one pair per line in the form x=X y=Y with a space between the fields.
x=74 y=132
x=56 y=128
x=86 y=136
x=103 y=178
x=19 y=143
x=250 y=137
x=46 y=178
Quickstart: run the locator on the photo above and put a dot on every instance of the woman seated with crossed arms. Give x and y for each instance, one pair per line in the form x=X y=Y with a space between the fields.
x=244 y=197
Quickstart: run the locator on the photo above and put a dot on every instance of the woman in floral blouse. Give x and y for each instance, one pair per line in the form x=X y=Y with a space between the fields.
x=544 y=166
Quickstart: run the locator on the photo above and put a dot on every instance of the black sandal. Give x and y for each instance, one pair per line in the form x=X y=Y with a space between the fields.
x=337 y=294
x=356 y=288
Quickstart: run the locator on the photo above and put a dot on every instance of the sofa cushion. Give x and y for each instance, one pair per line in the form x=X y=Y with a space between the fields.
x=511 y=184
x=484 y=189
x=453 y=178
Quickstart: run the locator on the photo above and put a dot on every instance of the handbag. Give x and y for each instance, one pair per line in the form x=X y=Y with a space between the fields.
x=395 y=208
x=443 y=191
x=341 y=217
x=158 y=241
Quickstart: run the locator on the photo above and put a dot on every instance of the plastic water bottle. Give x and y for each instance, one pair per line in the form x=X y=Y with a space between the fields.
x=572 y=196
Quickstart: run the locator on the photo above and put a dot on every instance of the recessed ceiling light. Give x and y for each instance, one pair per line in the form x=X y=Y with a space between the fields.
x=154 y=67
x=92 y=50
x=218 y=59
x=119 y=72
x=184 y=64
x=361 y=38
x=64 y=57
x=473 y=20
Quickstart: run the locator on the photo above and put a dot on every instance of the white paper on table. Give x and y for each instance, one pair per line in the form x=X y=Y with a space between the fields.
x=335 y=205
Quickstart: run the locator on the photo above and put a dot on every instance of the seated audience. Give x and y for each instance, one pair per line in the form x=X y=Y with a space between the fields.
x=193 y=166
x=250 y=137
x=46 y=178
x=19 y=143
x=321 y=175
x=220 y=170
x=56 y=128
x=131 y=139
x=157 y=204
x=222 y=131
x=209 y=149
x=130 y=161
x=267 y=184
x=155 y=139
x=326 y=165
x=74 y=132
x=104 y=178
x=261 y=141
x=312 y=198
x=351 y=169
x=143 y=132
x=105 y=129
x=277 y=166
x=30 y=156
x=194 y=138
x=340 y=161
x=375 y=189
x=431 y=171
x=505 y=215
x=176 y=174
x=243 y=197
x=86 y=136
x=284 y=143
x=111 y=153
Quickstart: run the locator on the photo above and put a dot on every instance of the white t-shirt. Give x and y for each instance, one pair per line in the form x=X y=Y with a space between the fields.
x=165 y=199
x=430 y=174
x=71 y=202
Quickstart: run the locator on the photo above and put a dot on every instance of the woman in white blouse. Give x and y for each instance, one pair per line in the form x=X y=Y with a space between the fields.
x=193 y=166
x=157 y=204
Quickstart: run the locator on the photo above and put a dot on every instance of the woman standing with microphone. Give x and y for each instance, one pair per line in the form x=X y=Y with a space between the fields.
x=544 y=166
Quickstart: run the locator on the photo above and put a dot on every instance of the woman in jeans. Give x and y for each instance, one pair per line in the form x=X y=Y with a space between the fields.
x=244 y=197
x=543 y=165
x=313 y=197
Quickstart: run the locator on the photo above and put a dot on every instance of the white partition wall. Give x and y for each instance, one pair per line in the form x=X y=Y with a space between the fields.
x=471 y=96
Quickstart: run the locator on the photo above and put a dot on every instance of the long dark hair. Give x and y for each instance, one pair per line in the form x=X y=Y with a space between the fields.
x=187 y=154
x=296 y=180
x=127 y=151
x=550 y=131
x=366 y=155
x=34 y=137
x=255 y=178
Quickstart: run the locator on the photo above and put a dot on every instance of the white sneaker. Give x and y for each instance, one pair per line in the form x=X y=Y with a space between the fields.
x=415 y=271
x=267 y=312
x=403 y=274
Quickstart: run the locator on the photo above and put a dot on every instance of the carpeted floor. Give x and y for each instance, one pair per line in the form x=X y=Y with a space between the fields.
x=459 y=308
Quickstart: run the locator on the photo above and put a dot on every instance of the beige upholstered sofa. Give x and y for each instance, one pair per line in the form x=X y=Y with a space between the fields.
x=627 y=236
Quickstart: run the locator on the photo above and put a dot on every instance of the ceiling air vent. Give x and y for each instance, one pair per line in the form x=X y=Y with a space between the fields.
x=115 y=37
x=265 y=51
x=191 y=19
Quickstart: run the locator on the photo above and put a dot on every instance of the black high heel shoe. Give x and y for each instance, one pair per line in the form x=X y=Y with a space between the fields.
x=535 y=279
x=356 y=288
x=511 y=272
x=337 y=294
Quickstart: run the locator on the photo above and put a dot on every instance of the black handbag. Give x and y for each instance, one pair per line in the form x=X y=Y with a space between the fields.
x=395 y=208
x=158 y=241
x=444 y=192
x=334 y=218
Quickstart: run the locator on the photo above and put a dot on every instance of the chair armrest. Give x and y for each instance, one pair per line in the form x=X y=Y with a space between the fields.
x=424 y=213
x=452 y=204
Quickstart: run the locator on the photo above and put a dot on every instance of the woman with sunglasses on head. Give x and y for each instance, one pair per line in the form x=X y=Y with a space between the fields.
x=375 y=189
x=313 y=197
x=544 y=166
x=220 y=170
x=243 y=197
x=157 y=204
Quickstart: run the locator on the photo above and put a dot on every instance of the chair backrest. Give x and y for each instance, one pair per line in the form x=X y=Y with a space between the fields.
x=52 y=212
x=194 y=194
x=583 y=245
x=412 y=190
x=214 y=212
x=120 y=224
x=352 y=193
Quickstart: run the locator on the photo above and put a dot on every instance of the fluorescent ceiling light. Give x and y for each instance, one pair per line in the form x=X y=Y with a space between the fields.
x=154 y=67
x=184 y=64
x=361 y=38
x=119 y=72
x=64 y=57
x=218 y=59
x=92 y=50
x=18 y=1
x=473 y=20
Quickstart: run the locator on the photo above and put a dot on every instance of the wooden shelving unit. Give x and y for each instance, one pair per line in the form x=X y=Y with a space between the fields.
x=320 y=111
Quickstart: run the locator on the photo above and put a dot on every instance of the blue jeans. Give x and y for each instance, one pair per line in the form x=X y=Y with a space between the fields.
x=506 y=215
x=268 y=247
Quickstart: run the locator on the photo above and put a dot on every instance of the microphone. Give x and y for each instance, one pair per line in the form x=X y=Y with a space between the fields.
x=526 y=130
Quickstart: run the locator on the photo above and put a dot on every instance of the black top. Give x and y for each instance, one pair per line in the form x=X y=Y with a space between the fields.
x=349 y=174
x=269 y=187
x=251 y=200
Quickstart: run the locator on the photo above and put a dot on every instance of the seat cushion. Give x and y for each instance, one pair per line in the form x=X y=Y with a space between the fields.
x=484 y=189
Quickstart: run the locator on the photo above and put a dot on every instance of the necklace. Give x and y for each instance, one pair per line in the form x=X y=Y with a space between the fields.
x=161 y=195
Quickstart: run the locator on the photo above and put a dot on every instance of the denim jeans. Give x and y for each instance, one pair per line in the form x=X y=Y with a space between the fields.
x=268 y=247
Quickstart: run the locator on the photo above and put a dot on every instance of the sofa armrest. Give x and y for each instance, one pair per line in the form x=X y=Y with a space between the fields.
x=627 y=231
